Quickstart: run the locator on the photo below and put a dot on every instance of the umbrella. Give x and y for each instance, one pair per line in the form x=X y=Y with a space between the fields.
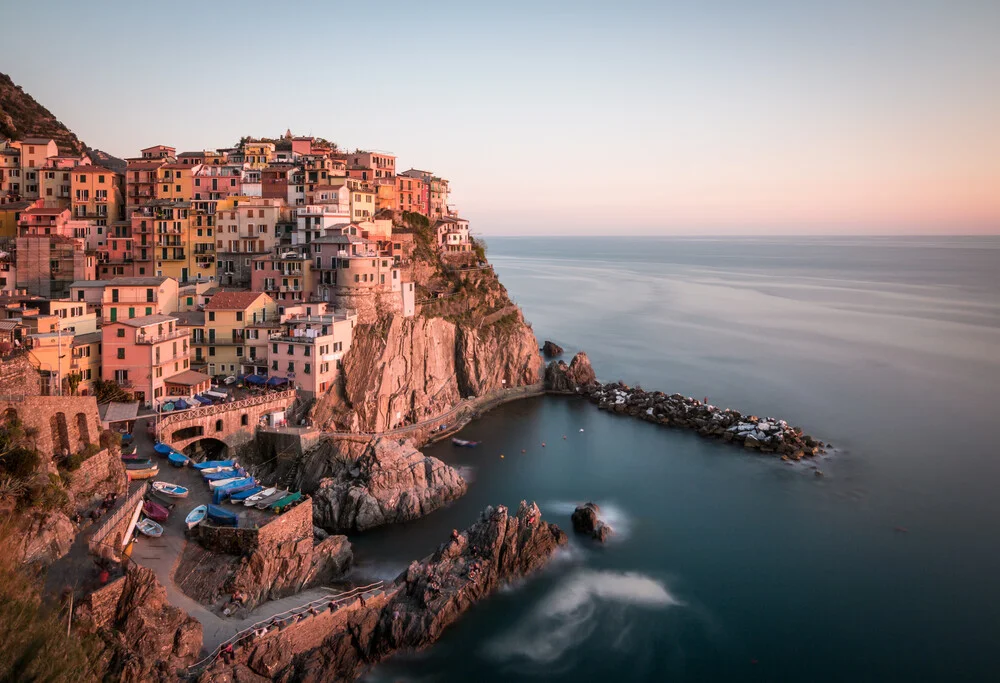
x=167 y=407
x=202 y=400
x=255 y=379
x=276 y=381
x=182 y=404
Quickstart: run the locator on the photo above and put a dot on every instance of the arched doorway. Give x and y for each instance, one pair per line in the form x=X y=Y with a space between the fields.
x=207 y=449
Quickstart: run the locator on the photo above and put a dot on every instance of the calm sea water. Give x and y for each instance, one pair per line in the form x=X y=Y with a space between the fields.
x=726 y=566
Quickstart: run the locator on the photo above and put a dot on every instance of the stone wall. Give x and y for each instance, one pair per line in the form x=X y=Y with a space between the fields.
x=291 y=526
x=225 y=421
x=227 y=539
x=56 y=423
x=18 y=378
x=107 y=539
x=103 y=602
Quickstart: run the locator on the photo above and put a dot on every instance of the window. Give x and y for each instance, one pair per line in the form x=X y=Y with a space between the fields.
x=244 y=419
x=274 y=348
x=218 y=425
x=121 y=331
x=211 y=350
x=149 y=310
x=291 y=350
x=307 y=369
x=211 y=316
x=149 y=295
x=274 y=365
x=121 y=354
x=131 y=312
x=239 y=316
x=291 y=366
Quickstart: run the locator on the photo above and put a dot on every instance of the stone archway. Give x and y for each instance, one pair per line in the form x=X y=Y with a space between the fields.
x=83 y=428
x=207 y=449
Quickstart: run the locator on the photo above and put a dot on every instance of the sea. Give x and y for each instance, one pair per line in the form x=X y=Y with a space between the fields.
x=728 y=565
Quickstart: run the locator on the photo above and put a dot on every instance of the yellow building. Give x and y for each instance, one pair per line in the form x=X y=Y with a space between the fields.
x=97 y=194
x=171 y=239
x=176 y=182
x=386 y=197
x=56 y=187
x=227 y=315
x=362 y=204
x=10 y=214
x=258 y=154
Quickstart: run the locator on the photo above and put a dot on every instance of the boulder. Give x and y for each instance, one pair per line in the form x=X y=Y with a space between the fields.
x=551 y=349
x=576 y=376
x=586 y=521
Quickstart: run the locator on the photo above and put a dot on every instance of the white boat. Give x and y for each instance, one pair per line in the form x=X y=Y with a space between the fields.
x=149 y=528
x=222 y=482
x=168 y=489
x=216 y=470
x=196 y=516
x=257 y=497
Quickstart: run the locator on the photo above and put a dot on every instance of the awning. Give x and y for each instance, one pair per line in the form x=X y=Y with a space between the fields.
x=255 y=379
x=118 y=412
x=181 y=404
x=202 y=400
x=277 y=381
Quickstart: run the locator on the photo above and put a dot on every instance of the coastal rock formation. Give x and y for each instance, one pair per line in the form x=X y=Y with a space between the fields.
x=767 y=434
x=413 y=368
x=390 y=482
x=423 y=601
x=550 y=349
x=139 y=636
x=586 y=521
x=44 y=537
x=572 y=378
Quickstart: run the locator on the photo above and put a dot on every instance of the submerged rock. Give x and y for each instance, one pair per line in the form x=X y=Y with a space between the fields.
x=551 y=349
x=390 y=482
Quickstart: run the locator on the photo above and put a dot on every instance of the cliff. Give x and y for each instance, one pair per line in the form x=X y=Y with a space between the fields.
x=422 y=602
x=468 y=339
x=21 y=116
x=390 y=482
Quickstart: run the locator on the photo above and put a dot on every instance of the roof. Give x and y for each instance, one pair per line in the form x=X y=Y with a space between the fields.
x=146 y=149
x=145 y=320
x=137 y=281
x=45 y=211
x=90 y=168
x=177 y=167
x=189 y=318
x=88 y=338
x=145 y=165
x=232 y=301
x=16 y=206
x=194 y=154
x=89 y=283
x=188 y=378
x=37 y=141
x=10 y=324
x=118 y=412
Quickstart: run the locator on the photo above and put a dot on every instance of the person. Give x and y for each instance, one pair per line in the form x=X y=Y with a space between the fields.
x=227 y=653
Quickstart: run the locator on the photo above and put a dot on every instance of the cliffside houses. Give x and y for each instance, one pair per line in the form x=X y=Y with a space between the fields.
x=164 y=271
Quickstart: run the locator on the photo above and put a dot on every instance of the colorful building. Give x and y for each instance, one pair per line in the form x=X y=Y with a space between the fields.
x=221 y=346
x=97 y=194
x=287 y=278
x=309 y=349
x=133 y=297
x=246 y=230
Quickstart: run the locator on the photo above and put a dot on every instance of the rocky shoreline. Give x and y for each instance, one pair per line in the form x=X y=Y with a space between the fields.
x=763 y=434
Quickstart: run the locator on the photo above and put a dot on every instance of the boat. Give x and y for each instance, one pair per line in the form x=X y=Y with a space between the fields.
x=128 y=449
x=265 y=502
x=282 y=504
x=218 y=483
x=178 y=459
x=149 y=528
x=213 y=463
x=155 y=511
x=257 y=497
x=147 y=473
x=134 y=457
x=172 y=490
x=223 y=492
x=162 y=449
x=216 y=470
x=241 y=496
x=138 y=464
x=126 y=437
x=195 y=517
x=221 y=516
x=216 y=476
x=463 y=443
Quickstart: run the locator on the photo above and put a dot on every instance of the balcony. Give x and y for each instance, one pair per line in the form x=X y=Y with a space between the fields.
x=157 y=338
x=173 y=257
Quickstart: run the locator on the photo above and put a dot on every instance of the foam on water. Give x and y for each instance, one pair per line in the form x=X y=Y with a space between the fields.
x=610 y=513
x=584 y=602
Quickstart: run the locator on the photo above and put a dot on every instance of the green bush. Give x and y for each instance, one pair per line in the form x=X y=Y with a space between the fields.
x=20 y=462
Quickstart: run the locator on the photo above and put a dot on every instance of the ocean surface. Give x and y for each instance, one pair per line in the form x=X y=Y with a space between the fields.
x=728 y=566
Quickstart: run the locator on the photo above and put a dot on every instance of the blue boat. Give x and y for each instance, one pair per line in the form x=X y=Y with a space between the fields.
x=138 y=464
x=162 y=449
x=243 y=495
x=178 y=459
x=203 y=400
x=126 y=437
x=223 y=492
x=213 y=463
x=222 y=517
x=228 y=474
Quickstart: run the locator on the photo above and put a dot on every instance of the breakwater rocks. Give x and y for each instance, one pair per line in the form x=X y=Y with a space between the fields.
x=390 y=482
x=422 y=602
x=763 y=434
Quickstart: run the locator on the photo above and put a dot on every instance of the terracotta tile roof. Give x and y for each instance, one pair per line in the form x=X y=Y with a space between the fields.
x=145 y=320
x=145 y=165
x=232 y=301
x=88 y=168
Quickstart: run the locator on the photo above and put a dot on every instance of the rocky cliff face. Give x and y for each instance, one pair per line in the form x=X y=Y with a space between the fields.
x=390 y=482
x=427 y=598
x=21 y=116
x=144 y=638
x=570 y=378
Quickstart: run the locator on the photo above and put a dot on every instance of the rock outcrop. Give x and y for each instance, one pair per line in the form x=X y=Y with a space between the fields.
x=423 y=601
x=550 y=349
x=572 y=378
x=139 y=635
x=586 y=520
x=44 y=537
x=390 y=482
x=21 y=116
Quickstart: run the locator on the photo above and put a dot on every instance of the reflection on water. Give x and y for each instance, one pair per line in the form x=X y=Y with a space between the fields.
x=885 y=347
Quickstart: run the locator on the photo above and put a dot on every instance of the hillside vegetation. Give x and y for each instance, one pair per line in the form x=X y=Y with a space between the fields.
x=21 y=116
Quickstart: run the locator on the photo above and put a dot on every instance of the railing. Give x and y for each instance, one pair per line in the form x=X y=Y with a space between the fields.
x=126 y=508
x=155 y=339
x=336 y=598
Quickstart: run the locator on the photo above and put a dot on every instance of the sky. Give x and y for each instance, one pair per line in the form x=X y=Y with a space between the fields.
x=708 y=117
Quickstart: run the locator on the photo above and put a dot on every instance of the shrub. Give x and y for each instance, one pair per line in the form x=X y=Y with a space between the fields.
x=20 y=462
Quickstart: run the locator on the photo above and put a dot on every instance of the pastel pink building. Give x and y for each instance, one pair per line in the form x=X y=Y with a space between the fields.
x=309 y=349
x=149 y=356
x=40 y=220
